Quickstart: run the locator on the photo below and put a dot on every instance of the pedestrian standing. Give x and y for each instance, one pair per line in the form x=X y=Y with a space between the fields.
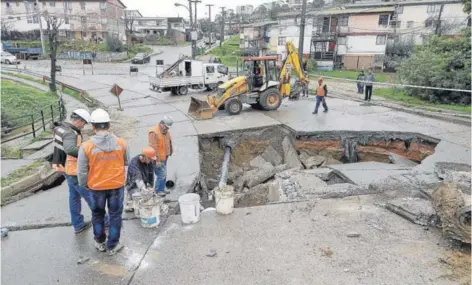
x=160 y=140
x=101 y=168
x=140 y=175
x=369 y=79
x=67 y=140
x=360 y=82
x=321 y=93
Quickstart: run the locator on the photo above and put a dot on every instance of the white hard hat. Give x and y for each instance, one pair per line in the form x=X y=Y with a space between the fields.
x=83 y=114
x=99 y=116
x=168 y=121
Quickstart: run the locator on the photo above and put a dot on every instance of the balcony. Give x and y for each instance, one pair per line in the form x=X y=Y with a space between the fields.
x=317 y=36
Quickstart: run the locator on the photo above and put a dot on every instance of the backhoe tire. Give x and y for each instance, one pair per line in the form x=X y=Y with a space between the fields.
x=233 y=106
x=270 y=99
x=182 y=90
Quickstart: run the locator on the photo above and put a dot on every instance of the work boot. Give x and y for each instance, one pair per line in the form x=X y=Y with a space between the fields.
x=325 y=111
x=161 y=193
x=314 y=113
x=100 y=246
x=86 y=226
x=117 y=248
x=167 y=191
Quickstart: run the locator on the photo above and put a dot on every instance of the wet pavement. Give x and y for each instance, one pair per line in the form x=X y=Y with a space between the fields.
x=264 y=245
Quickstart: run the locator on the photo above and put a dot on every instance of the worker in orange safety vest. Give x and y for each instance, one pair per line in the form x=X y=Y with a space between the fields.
x=101 y=169
x=321 y=93
x=160 y=140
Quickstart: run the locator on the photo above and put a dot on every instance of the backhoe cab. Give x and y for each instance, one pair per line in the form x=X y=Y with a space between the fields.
x=262 y=88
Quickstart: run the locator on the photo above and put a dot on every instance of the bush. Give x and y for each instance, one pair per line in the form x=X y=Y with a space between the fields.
x=310 y=65
x=114 y=44
x=442 y=62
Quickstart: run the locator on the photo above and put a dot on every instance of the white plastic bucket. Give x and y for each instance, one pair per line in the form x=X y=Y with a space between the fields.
x=149 y=212
x=224 y=200
x=189 y=208
x=136 y=198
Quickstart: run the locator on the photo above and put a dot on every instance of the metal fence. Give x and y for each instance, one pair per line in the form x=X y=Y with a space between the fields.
x=18 y=127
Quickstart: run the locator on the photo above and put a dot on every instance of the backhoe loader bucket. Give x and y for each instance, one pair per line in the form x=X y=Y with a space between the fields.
x=200 y=110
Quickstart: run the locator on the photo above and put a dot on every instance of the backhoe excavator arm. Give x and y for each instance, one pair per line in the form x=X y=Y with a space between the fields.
x=294 y=62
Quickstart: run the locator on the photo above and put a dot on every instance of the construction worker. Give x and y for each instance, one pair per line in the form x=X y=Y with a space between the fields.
x=140 y=175
x=101 y=169
x=321 y=93
x=67 y=140
x=160 y=140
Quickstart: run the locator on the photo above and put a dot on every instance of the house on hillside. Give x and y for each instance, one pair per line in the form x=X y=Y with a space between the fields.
x=84 y=20
x=254 y=38
x=153 y=28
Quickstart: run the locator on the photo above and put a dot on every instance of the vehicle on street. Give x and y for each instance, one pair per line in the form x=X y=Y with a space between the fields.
x=209 y=38
x=21 y=52
x=187 y=73
x=141 y=58
x=8 y=58
x=263 y=88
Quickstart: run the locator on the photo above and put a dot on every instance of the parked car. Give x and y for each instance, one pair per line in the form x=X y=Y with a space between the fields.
x=141 y=58
x=8 y=58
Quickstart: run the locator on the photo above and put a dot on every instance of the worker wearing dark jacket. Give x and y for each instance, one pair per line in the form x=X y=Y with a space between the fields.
x=140 y=174
x=67 y=140
x=321 y=93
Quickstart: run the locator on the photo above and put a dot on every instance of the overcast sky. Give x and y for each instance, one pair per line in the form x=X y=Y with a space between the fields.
x=166 y=8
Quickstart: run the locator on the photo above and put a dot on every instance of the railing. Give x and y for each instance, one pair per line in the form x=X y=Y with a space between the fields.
x=32 y=123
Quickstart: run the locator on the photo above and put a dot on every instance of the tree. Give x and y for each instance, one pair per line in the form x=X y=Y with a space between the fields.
x=441 y=62
x=466 y=6
x=274 y=11
x=318 y=4
x=129 y=22
x=52 y=27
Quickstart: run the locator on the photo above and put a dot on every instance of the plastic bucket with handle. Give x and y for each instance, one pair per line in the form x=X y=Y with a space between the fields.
x=189 y=208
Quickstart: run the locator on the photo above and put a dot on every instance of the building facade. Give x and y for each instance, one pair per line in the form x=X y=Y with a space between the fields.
x=85 y=20
x=153 y=28
x=244 y=9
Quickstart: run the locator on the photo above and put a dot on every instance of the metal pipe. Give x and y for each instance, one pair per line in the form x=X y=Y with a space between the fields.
x=225 y=167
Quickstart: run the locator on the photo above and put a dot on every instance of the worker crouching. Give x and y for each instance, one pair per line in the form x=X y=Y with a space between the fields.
x=101 y=168
x=140 y=175
x=160 y=140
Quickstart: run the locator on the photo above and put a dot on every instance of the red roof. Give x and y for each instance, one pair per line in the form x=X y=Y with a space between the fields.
x=260 y=58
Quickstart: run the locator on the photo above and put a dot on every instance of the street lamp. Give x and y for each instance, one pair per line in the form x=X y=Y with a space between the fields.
x=189 y=8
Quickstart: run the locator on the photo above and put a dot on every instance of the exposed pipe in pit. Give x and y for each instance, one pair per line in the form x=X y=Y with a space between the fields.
x=227 y=146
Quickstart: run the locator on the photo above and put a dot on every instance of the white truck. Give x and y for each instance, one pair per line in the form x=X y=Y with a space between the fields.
x=209 y=38
x=187 y=74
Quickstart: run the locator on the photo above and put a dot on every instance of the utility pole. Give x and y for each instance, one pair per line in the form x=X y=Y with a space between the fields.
x=194 y=43
x=302 y=33
x=40 y=26
x=222 y=34
x=438 y=22
x=209 y=17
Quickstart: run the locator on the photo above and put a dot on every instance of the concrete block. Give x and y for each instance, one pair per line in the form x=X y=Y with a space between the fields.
x=255 y=196
x=311 y=162
x=274 y=191
x=261 y=175
x=290 y=154
x=257 y=162
x=398 y=159
x=416 y=210
x=281 y=167
x=455 y=172
x=272 y=156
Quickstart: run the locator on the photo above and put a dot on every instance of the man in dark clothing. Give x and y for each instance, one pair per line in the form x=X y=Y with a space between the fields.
x=140 y=174
x=369 y=79
x=360 y=82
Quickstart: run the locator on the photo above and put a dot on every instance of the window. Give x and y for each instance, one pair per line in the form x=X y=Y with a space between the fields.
x=429 y=23
x=66 y=20
x=397 y=24
x=17 y=3
x=83 y=20
x=282 y=41
x=343 y=21
x=103 y=5
x=44 y=4
x=84 y=35
x=8 y=4
x=28 y=6
x=67 y=5
x=381 y=40
x=431 y=8
x=82 y=5
x=29 y=19
x=409 y=24
x=18 y=18
x=222 y=69
x=342 y=41
x=383 y=20
x=52 y=3
x=210 y=69
x=10 y=17
x=35 y=19
x=399 y=9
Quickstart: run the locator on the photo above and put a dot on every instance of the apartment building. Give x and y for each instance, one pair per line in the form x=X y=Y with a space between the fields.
x=244 y=10
x=254 y=38
x=173 y=28
x=86 y=20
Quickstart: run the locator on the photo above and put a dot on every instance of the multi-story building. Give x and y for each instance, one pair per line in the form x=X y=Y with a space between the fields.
x=254 y=38
x=244 y=9
x=173 y=28
x=89 y=19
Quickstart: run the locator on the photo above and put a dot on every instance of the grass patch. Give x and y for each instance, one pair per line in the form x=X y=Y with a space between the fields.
x=135 y=49
x=229 y=52
x=400 y=96
x=20 y=100
x=11 y=152
x=76 y=45
x=47 y=134
x=352 y=74
x=21 y=172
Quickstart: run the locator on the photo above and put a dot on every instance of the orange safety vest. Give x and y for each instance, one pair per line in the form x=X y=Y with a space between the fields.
x=163 y=143
x=71 y=162
x=106 y=169
x=320 y=91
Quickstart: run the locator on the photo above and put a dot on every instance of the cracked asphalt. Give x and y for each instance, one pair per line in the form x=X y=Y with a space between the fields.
x=261 y=248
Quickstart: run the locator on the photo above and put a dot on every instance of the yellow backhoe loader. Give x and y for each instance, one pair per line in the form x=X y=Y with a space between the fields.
x=263 y=88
